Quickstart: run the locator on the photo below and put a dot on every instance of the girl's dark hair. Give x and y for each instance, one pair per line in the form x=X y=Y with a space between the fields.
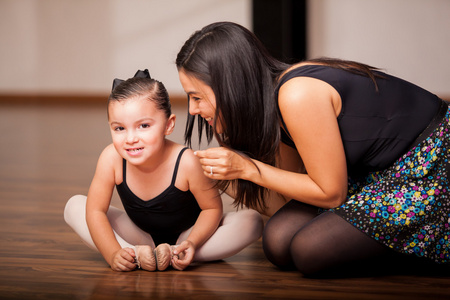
x=243 y=75
x=153 y=90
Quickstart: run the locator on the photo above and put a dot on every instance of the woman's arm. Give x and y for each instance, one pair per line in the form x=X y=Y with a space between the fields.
x=309 y=108
x=98 y=201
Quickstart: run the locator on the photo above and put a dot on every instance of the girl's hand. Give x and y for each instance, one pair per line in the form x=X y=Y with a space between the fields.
x=223 y=164
x=123 y=260
x=183 y=255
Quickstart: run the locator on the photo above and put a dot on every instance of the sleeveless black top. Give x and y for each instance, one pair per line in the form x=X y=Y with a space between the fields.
x=164 y=217
x=376 y=127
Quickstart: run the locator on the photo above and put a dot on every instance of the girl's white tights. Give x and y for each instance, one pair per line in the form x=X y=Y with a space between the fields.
x=236 y=231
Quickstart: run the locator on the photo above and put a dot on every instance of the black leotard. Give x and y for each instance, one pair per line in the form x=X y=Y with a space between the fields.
x=376 y=127
x=164 y=217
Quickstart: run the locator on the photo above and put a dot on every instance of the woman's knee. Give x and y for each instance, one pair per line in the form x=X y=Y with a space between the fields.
x=305 y=255
x=275 y=243
x=269 y=243
x=271 y=231
x=282 y=227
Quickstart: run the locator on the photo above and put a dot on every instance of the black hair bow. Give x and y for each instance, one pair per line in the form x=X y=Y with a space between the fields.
x=139 y=73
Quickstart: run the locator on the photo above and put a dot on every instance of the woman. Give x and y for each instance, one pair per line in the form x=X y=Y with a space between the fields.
x=350 y=162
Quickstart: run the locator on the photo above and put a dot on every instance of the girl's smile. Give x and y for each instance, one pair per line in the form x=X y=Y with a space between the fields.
x=135 y=151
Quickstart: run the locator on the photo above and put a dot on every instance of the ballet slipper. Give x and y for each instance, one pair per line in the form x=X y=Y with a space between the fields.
x=164 y=254
x=145 y=258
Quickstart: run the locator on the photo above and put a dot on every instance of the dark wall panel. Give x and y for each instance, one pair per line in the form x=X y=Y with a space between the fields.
x=281 y=26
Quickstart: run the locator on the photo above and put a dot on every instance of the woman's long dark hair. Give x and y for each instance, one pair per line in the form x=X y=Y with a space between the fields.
x=233 y=62
x=243 y=75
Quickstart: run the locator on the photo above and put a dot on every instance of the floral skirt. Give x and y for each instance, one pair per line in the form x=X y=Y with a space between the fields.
x=407 y=207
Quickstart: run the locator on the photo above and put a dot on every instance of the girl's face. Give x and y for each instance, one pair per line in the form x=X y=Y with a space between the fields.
x=138 y=129
x=202 y=100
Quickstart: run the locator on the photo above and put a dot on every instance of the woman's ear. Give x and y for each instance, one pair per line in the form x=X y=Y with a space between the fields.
x=170 y=125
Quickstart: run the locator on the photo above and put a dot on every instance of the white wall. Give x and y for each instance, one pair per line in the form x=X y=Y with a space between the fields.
x=408 y=38
x=67 y=46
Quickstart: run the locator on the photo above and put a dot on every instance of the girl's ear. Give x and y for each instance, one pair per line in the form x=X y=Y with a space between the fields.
x=170 y=124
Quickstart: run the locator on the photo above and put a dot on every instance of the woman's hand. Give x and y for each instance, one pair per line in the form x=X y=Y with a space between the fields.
x=223 y=164
x=123 y=260
x=183 y=255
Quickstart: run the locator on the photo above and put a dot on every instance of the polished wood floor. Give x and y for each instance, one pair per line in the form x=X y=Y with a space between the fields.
x=48 y=153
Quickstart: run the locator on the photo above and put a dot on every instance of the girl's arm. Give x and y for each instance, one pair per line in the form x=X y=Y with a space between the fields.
x=210 y=202
x=98 y=201
x=309 y=108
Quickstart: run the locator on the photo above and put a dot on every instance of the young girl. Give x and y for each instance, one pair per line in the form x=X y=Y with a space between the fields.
x=167 y=199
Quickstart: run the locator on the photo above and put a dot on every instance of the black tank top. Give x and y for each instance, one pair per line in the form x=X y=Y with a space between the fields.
x=376 y=127
x=164 y=217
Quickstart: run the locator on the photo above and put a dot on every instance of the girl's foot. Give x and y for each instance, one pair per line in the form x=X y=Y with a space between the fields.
x=163 y=255
x=145 y=257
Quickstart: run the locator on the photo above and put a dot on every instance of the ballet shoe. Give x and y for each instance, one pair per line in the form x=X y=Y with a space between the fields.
x=145 y=258
x=163 y=255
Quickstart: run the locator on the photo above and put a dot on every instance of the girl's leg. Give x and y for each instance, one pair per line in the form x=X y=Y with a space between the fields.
x=126 y=232
x=280 y=229
x=330 y=246
x=236 y=231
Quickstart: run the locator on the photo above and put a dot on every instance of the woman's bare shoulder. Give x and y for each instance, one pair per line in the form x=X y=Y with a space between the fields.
x=295 y=66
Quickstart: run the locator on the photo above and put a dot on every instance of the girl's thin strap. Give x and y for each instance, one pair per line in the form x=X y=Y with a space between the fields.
x=124 y=170
x=176 y=165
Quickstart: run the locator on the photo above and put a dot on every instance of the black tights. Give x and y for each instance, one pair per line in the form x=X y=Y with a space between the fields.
x=323 y=245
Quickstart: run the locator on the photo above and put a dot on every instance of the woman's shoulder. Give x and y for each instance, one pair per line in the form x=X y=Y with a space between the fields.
x=304 y=90
x=303 y=86
x=296 y=67
x=297 y=80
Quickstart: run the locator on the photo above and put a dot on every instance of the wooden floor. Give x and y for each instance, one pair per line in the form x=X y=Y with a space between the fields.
x=48 y=153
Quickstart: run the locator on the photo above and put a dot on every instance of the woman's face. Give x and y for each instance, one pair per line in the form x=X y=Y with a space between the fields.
x=202 y=100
